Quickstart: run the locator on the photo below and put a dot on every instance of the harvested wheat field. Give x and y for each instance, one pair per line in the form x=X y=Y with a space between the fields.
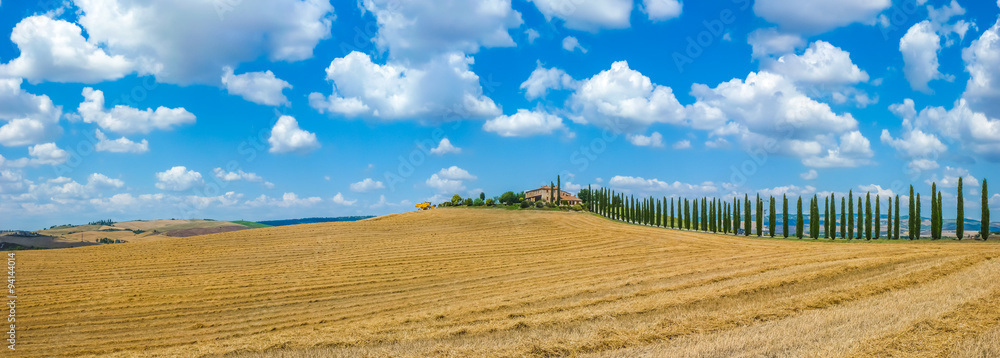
x=465 y=282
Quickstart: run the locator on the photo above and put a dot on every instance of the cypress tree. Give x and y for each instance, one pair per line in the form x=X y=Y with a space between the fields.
x=913 y=212
x=687 y=214
x=868 y=216
x=719 y=216
x=888 y=221
x=711 y=218
x=694 y=213
x=940 y=217
x=895 y=221
x=934 y=210
x=736 y=216
x=878 y=218
x=659 y=213
x=558 y=190
x=843 y=219
x=770 y=219
x=919 y=220
x=746 y=215
x=850 y=215
x=960 y=217
x=833 y=216
x=984 y=221
x=672 y=214
x=814 y=218
x=784 y=215
x=704 y=214
x=826 y=218
x=798 y=218
x=861 y=229
x=760 y=219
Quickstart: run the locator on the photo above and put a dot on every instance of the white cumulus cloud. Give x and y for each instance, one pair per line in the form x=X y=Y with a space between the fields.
x=128 y=120
x=660 y=10
x=257 y=87
x=818 y=16
x=571 y=44
x=211 y=37
x=287 y=137
x=120 y=145
x=445 y=147
x=525 y=123
x=653 y=140
x=442 y=87
x=367 y=185
x=31 y=119
x=592 y=15
x=54 y=50
x=178 y=178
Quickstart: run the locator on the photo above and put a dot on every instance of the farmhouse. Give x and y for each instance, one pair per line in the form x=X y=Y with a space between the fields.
x=545 y=193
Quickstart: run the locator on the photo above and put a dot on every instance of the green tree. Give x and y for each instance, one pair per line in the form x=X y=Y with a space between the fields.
x=558 y=190
x=826 y=218
x=687 y=214
x=850 y=215
x=888 y=220
x=659 y=213
x=861 y=230
x=960 y=217
x=918 y=222
x=843 y=219
x=456 y=199
x=704 y=214
x=759 y=219
x=868 y=216
x=934 y=210
x=798 y=219
x=694 y=214
x=746 y=215
x=833 y=216
x=940 y=218
x=814 y=218
x=895 y=229
x=910 y=220
x=771 y=218
x=672 y=214
x=736 y=215
x=877 y=230
x=984 y=222
x=584 y=195
x=507 y=198
x=784 y=215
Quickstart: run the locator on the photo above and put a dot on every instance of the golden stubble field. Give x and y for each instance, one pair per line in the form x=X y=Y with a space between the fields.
x=461 y=282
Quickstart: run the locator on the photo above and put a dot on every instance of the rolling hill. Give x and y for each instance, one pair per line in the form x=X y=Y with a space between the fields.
x=462 y=282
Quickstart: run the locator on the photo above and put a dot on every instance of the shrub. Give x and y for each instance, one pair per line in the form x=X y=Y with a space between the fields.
x=539 y=204
x=489 y=202
x=478 y=202
x=577 y=207
x=550 y=205
x=468 y=202
x=525 y=204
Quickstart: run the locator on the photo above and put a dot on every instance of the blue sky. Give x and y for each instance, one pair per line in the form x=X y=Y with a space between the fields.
x=229 y=109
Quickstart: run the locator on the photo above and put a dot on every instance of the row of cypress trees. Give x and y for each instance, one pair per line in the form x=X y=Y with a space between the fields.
x=717 y=216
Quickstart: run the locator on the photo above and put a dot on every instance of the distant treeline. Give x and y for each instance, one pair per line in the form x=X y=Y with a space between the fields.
x=312 y=220
x=107 y=222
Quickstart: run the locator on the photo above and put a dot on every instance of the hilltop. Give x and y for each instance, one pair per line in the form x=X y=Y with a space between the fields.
x=465 y=282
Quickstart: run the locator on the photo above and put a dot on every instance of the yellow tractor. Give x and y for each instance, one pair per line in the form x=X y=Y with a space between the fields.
x=425 y=206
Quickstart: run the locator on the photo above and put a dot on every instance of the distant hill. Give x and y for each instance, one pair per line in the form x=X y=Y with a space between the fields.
x=312 y=220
